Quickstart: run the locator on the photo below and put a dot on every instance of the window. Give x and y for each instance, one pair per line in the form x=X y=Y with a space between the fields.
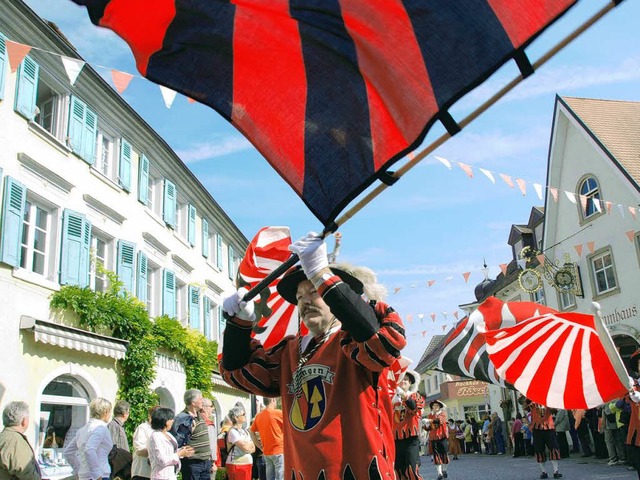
x=105 y=155
x=182 y=219
x=83 y=129
x=194 y=307
x=27 y=88
x=170 y=204
x=155 y=194
x=604 y=273
x=231 y=262
x=51 y=110
x=126 y=265
x=538 y=297
x=39 y=225
x=169 y=293
x=589 y=189
x=102 y=253
x=143 y=180
x=567 y=300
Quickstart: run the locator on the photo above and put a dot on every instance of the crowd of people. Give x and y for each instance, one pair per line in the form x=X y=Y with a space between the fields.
x=344 y=419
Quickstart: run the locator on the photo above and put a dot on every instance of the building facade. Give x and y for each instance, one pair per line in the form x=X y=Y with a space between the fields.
x=85 y=181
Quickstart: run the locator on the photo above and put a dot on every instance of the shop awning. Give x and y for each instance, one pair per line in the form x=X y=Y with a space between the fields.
x=74 y=338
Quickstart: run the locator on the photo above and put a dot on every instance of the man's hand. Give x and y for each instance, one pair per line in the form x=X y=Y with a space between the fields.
x=236 y=307
x=312 y=252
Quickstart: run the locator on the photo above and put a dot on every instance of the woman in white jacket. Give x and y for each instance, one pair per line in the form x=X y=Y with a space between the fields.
x=88 y=451
x=164 y=454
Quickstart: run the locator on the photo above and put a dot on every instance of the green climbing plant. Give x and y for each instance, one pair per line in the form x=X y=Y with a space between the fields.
x=117 y=313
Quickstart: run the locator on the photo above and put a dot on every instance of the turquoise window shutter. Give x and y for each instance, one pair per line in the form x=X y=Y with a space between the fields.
x=143 y=179
x=141 y=281
x=3 y=64
x=27 y=88
x=89 y=136
x=76 y=244
x=194 y=307
x=125 y=267
x=168 y=293
x=170 y=203
x=205 y=238
x=13 y=205
x=206 y=317
x=230 y=263
x=219 y=251
x=191 y=230
x=125 y=165
x=76 y=124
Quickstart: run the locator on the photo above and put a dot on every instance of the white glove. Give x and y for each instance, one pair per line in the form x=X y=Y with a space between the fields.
x=236 y=307
x=312 y=252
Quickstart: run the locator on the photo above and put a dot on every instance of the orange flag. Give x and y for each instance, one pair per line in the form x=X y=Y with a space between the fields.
x=433 y=317
x=17 y=52
x=554 y=193
x=503 y=267
x=466 y=276
x=522 y=185
x=191 y=100
x=121 y=80
x=591 y=246
x=507 y=180
x=467 y=169
x=578 y=249
x=455 y=314
x=630 y=235
x=430 y=282
x=540 y=259
x=409 y=318
x=609 y=207
x=396 y=290
x=633 y=212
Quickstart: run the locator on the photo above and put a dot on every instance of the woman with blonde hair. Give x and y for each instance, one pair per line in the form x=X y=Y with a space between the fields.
x=88 y=451
x=240 y=447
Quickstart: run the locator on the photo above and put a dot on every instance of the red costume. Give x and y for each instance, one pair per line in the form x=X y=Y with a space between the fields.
x=406 y=416
x=544 y=433
x=339 y=424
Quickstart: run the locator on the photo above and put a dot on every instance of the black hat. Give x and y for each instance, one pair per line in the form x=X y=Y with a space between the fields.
x=288 y=285
x=442 y=405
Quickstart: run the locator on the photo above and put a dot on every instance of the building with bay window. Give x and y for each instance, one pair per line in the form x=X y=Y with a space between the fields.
x=85 y=181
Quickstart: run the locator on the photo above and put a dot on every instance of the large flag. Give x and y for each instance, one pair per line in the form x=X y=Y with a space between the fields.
x=561 y=360
x=267 y=251
x=331 y=92
x=464 y=352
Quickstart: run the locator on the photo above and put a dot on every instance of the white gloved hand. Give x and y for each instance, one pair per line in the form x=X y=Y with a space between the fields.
x=234 y=306
x=312 y=252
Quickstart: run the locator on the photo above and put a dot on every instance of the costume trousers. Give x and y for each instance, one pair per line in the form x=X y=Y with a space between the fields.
x=542 y=439
x=439 y=449
x=407 y=464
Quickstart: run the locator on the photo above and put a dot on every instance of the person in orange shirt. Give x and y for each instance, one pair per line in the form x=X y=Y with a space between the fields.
x=268 y=424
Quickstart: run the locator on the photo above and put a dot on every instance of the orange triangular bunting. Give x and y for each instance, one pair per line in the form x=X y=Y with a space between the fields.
x=522 y=185
x=630 y=235
x=591 y=246
x=578 y=249
x=430 y=282
x=191 y=100
x=466 y=276
x=632 y=210
x=121 y=80
x=396 y=290
x=554 y=193
x=455 y=314
x=540 y=259
x=503 y=267
x=17 y=52
x=507 y=180
x=467 y=169
x=433 y=317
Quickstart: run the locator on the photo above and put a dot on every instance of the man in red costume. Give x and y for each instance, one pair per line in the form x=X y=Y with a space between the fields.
x=544 y=435
x=436 y=425
x=333 y=382
x=407 y=412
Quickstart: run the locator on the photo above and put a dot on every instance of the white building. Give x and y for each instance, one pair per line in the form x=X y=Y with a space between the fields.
x=85 y=179
x=595 y=155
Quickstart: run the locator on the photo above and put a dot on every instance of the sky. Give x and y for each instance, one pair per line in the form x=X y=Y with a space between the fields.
x=435 y=224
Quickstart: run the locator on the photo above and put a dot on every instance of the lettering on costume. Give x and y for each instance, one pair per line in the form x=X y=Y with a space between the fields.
x=312 y=371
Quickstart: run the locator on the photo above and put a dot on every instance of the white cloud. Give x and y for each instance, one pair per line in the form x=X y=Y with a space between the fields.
x=218 y=148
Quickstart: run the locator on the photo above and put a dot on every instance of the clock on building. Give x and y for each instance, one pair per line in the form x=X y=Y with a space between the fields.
x=530 y=280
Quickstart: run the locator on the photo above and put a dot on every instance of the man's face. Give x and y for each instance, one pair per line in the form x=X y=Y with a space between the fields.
x=314 y=312
x=197 y=402
x=405 y=383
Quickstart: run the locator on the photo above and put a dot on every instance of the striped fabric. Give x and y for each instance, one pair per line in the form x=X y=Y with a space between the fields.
x=331 y=92
x=267 y=251
x=561 y=360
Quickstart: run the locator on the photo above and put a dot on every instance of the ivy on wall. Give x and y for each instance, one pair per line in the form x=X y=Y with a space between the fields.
x=117 y=313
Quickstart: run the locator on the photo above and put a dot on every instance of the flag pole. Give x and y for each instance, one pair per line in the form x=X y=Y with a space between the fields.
x=476 y=113
x=437 y=143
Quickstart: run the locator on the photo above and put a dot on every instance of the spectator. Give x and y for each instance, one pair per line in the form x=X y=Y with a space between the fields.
x=498 y=436
x=240 y=446
x=613 y=435
x=140 y=467
x=269 y=425
x=223 y=451
x=562 y=426
x=517 y=437
x=190 y=428
x=88 y=451
x=116 y=425
x=164 y=454
x=582 y=427
x=486 y=435
x=455 y=448
x=207 y=414
x=468 y=438
x=527 y=437
x=17 y=460
x=573 y=433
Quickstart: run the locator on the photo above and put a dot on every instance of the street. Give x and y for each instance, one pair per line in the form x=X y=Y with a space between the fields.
x=483 y=467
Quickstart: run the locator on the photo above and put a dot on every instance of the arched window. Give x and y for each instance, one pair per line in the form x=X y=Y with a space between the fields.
x=590 y=190
x=63 y=410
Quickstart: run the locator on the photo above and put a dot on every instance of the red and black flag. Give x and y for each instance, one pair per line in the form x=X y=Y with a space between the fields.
x=331 y=92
